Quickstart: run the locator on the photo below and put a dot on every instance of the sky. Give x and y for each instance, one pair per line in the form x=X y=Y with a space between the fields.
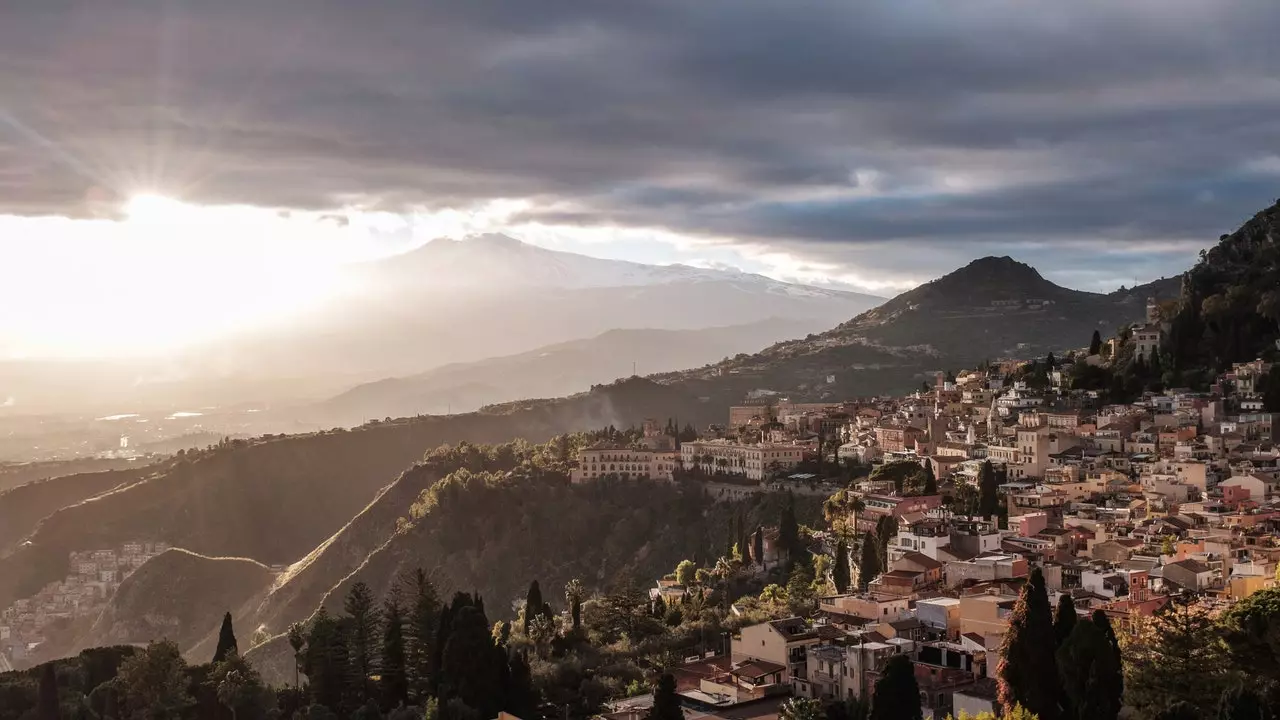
x=201 y=164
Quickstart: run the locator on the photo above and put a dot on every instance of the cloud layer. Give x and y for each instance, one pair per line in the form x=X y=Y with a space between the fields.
x=1101 y=140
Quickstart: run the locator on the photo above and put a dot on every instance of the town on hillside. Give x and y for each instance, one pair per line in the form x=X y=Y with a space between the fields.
x=943 y=503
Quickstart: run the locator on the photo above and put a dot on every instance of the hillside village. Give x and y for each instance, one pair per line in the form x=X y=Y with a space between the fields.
x=1119 y=507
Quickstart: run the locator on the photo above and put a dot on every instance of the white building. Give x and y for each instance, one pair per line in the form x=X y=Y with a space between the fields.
x=753 y=462
x=625 y=463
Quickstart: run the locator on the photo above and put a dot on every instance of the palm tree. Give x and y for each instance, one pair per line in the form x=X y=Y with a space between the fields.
x=573 y=594
x=296 y=641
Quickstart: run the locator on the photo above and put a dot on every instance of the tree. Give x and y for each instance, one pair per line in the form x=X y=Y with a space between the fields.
x=363 y=621
x=1027 y=654
x=1065 y=619
x=1175 y=656
x=420 y=631
x=930 y=481
x=988 y=489
x=226 y=640
x=840 y=569
x=325 y=660
x=532 y=604
x=1095 y=343
x=1110 y=681
x=239 y=688
x=897 y=694
x=686 y=573
x=1242 y=703
x=1252 y=631
x=869 y=567
x=47 y=705
x=521 y=698
x=297 y=641
x=666 y=703
x=471 y=665
x=395 y=677
x=801 y=709
x=153 y=683
x=789 y=530
x=1085 y=666
x=573 y=597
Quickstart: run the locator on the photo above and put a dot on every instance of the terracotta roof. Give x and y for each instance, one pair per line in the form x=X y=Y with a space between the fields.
x=1190 y=565
x=921 y=559
x=756 y=669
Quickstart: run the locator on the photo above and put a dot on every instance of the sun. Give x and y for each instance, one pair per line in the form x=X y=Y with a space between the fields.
x=154 y=209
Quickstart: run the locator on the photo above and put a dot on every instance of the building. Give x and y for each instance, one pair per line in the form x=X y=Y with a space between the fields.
x=780 y=642
x=626 y=463
x=754 y=462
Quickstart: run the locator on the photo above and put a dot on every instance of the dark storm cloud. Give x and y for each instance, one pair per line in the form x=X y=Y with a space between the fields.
x=817 y=128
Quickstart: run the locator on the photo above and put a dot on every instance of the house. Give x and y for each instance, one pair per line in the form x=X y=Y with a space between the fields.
x=986 y=616
x=1256 y=486
x=781 y=642
x=1189 y=574
x=990 y=566
x=929 y=568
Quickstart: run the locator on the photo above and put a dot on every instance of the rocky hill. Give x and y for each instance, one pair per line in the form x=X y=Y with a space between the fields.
x=991 y=308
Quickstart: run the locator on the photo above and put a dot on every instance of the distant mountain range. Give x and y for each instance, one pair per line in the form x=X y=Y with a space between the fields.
x=554 y=370
x=445 y=302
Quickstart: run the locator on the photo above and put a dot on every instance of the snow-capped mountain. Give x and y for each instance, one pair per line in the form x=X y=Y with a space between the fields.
x=488 y=261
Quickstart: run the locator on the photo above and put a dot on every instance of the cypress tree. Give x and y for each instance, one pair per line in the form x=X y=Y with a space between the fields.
x=532 y=605
x=363 y=620
x=897 y=694
x=1027 y=655
x=840 y=568
x=469 y=671
x=666 y=703
x=1095 y=344
x=988 y=487
x=48 y=707
x=789 y=530
x=869 y=567
x=226 y=640
x=1065 y=620
x=930 y=480
x=1111 y=683
x=395 y=679
x=521 y=698
x=757 y=546
x=1085 y=666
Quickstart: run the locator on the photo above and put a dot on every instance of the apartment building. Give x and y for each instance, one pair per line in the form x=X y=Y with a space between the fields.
x=754 y=462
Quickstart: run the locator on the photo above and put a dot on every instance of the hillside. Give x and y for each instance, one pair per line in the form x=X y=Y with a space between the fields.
x=554 y=370
x=275 y=499
x=177 y=595
x=22 y=507
x=1229 y=307
x=991 y=308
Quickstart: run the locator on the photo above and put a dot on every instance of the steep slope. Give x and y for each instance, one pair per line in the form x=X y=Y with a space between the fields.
x=1228 y=310
x=991 y=308
x=275 y=499
x=180 y=596
x=21 y=508
x=554 y=370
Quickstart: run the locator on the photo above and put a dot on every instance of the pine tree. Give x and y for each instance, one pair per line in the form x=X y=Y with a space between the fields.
x=897 y=694
x=532 y=605
x=869 y=567
x=930 y=480
x=47 y=707
x=1178 y=656
x=395 y=679
x=1095 y=344
x=840 y=568
x=420 y=632
x=226 y=640
x=1027 y=654
x=1065 y=619
x=325 y=660
x=666 y=703
x=363 y=620
x=988 y=488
